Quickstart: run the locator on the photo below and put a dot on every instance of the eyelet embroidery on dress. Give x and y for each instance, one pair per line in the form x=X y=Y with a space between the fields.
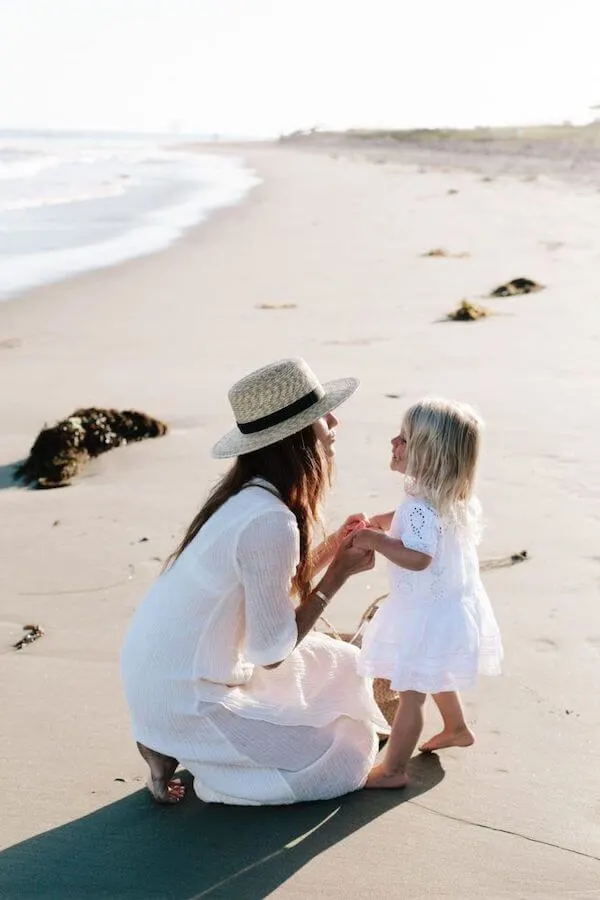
x=439 y=589
x=422 y=525
x=416 y=520
x=437 y=630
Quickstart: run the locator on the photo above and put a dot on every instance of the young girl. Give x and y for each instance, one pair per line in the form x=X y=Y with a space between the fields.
x=436 y=631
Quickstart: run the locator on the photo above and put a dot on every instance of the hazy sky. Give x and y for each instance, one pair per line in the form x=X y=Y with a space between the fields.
x=269 y=66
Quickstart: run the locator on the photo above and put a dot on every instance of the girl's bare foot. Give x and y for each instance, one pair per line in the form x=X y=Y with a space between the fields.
x=377 y=778
x=462 y=738
x=161 y=784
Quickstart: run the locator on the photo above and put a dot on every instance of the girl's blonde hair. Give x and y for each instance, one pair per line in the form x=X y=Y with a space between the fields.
x=443 y=442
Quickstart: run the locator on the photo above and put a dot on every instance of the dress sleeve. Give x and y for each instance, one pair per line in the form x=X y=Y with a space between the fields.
x=420 y=528
x=268 y=552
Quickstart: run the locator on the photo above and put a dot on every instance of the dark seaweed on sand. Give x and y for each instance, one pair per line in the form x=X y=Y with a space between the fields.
x=32 y=633
x=516 y=286
x=467 y=312
x=59 y=452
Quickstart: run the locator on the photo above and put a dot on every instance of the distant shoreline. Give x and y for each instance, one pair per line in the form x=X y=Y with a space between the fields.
x=567 y=153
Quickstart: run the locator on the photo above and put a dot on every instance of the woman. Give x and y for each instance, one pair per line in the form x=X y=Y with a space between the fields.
x=222 y=674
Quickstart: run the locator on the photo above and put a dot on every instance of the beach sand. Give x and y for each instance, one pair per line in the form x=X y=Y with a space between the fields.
x=340 y=236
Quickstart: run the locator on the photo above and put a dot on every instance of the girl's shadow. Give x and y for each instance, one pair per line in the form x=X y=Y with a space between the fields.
x=135 y=849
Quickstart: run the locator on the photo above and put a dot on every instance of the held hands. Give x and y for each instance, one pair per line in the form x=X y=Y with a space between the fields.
x=350 y=559
x=355 y=544
x=365 y=539
x=353 y=523
x=380 y=523
x=358 y=521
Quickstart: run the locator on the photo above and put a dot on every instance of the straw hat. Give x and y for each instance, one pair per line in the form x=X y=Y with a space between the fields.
x=276 y=401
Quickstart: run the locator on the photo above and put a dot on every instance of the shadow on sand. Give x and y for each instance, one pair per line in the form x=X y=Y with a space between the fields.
x=7 y=475
x=136 y=849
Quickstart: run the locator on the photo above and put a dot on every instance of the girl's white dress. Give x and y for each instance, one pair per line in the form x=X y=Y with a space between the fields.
x=194 y=660
x=436 y=631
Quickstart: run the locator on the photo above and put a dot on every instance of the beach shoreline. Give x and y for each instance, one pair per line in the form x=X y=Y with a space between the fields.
x=324 y=259
x=546 y=162
x=72 y=205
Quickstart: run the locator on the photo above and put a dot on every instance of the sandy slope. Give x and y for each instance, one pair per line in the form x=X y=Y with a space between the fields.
x=341 y=238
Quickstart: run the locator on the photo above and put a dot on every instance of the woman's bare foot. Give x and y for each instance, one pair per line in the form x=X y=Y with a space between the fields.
x=462 y=738
x=377 y=778
x=161 y=784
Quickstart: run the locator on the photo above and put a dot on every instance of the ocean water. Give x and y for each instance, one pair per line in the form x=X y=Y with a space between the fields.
x=70 y=203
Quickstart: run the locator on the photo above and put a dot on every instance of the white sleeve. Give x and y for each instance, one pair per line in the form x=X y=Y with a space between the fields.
x=420 y=528
x=268 y=552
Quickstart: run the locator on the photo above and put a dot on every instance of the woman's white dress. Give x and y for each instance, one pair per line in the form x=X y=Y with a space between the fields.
x=193 y=666
x=436 y=631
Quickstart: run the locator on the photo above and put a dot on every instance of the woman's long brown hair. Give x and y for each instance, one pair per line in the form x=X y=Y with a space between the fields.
x=299 y=469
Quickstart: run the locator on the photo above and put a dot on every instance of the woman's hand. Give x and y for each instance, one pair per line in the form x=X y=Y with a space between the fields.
x=351 y=559
x=324 y=553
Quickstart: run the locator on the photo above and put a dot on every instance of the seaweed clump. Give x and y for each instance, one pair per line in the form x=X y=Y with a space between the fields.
x=516 y=286
x=467 y=312
x=58 y=453
x=32 y=633
x=441 y=253
x=437 y=251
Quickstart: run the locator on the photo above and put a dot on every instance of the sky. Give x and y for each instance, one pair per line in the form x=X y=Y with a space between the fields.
x=266 y=67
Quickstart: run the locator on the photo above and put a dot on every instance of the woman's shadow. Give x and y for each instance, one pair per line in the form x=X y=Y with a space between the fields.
x=135 y=849
x=8 y=475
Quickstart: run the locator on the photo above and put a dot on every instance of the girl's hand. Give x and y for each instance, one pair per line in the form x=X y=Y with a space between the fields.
x=379 y=523
x=363 y=539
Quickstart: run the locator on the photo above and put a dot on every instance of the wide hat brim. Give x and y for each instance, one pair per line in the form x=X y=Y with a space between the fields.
x=234 y=443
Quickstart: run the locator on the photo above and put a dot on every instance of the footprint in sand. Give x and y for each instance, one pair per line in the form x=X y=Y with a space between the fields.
x=594 y=642
x=356 y=342
x=183 y=424
x=276 y=306
x=10 y=343
x=442 y=253
x=545 y=645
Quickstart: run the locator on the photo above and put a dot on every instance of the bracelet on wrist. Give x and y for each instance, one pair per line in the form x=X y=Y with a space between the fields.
x=322 y=597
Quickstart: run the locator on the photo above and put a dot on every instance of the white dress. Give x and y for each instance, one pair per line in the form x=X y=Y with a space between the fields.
x=436 y=631
x=193 y=666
